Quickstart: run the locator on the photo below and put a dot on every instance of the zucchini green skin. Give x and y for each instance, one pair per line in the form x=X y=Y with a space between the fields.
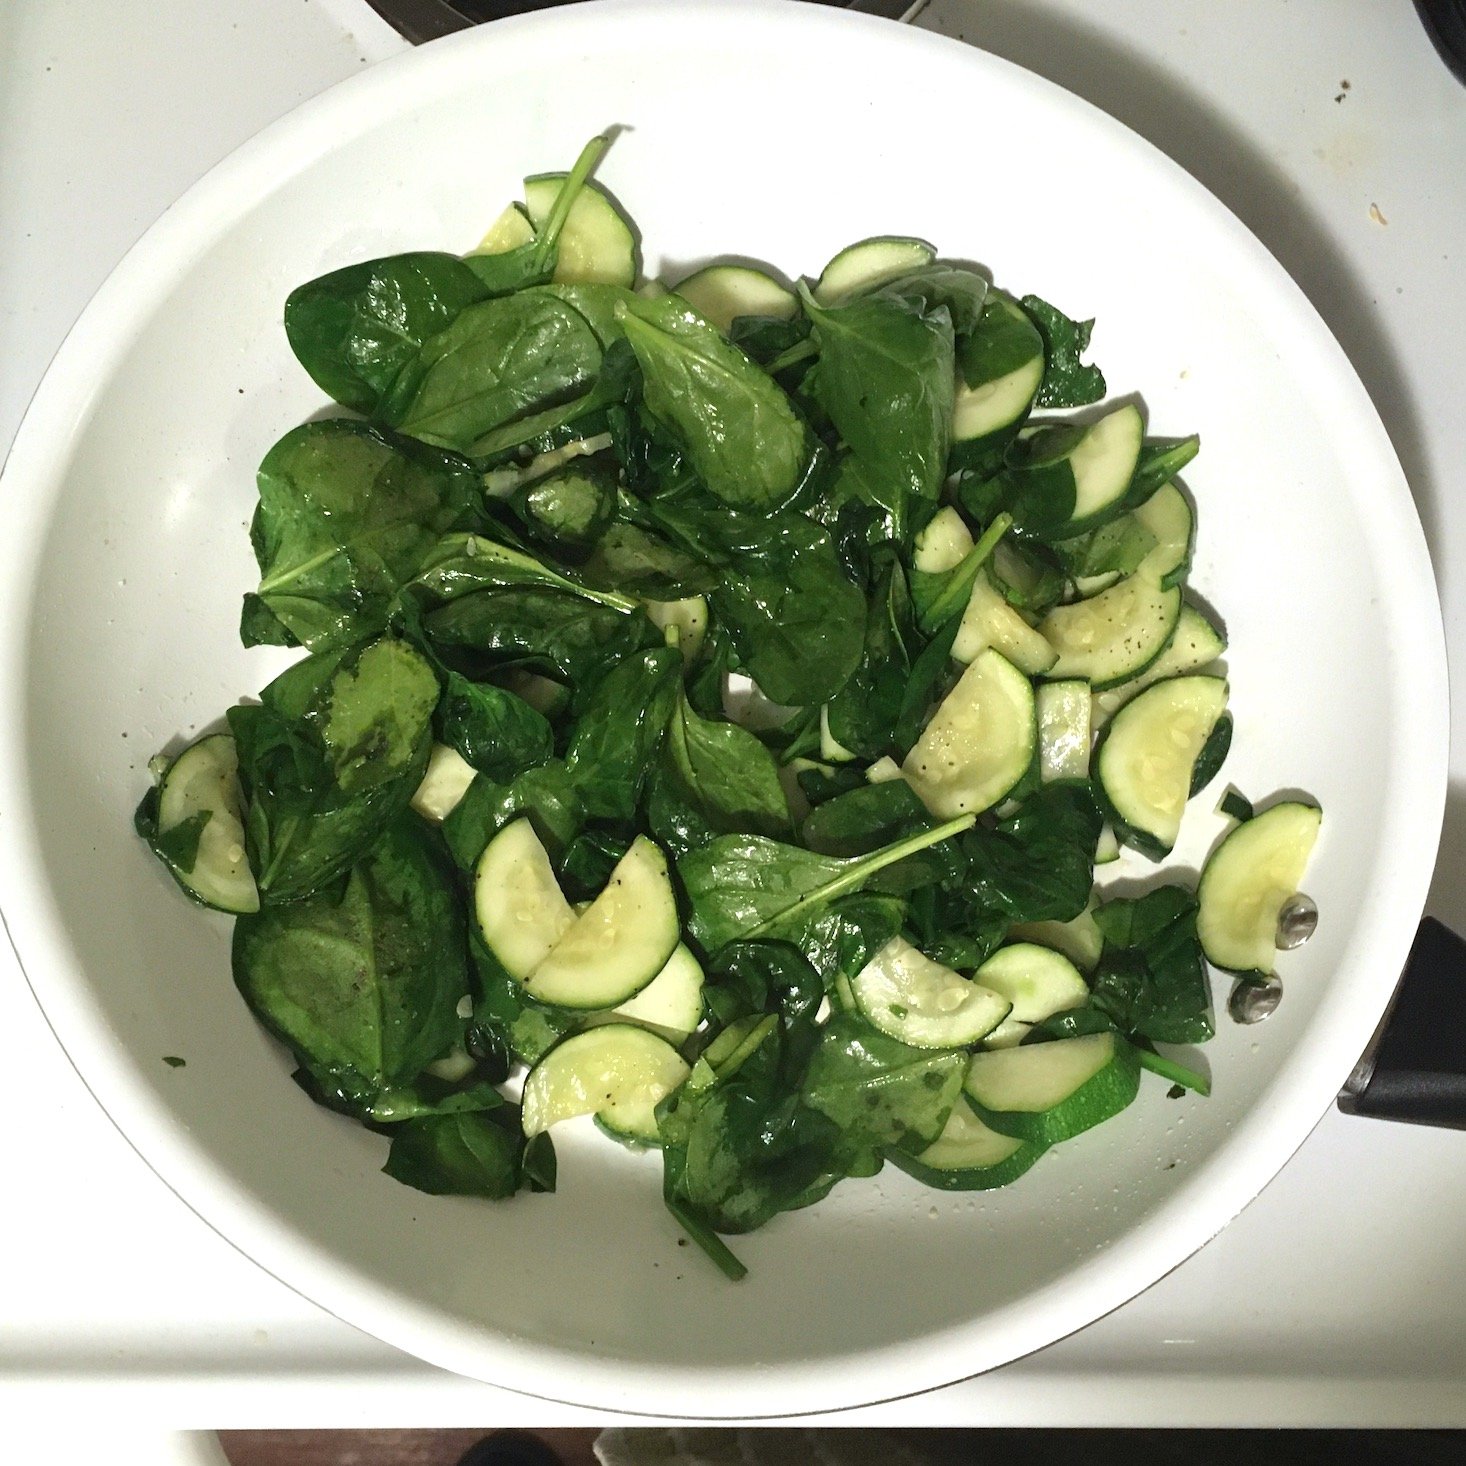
x=1102 y=1096
x=1118 y=746
x=941 y=1163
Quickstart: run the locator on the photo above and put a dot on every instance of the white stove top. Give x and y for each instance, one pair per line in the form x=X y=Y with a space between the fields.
x=1339 y=1297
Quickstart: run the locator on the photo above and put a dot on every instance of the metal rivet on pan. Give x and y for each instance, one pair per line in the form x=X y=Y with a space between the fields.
x=1251 y=1002
x=1297 y=921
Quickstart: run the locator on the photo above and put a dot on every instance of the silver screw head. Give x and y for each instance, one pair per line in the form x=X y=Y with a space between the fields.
x=1297 y=921
x=1251 y=1002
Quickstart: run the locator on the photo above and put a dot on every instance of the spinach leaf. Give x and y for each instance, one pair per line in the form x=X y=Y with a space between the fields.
x=634 y=559
x=1003 y=340
x=458 y=1155
x=881 y=1093
x=355 y=329
x=1161 y=459
x=545 y=629
x=347 y=513
x=725 y=774
x=1151 y=979
x=962 y=292
x=546 y=793
x=1038 y=865
x=620 y=729
x=848 y=932
x=363 y=983
x=863 y=715
x=885 y=375
x=941 y=596
x=1114 y=548
x=498 y=361
x=768 y=977
x=746 y=886
x=865 y=819
x=528 y=1028
x=497 y=732
x=1067 y=382
x=733 y=421
x=327 y=760
x=795 y=619
x=460 y=563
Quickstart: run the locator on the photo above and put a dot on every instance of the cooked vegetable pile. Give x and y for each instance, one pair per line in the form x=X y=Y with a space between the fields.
x=715 y=702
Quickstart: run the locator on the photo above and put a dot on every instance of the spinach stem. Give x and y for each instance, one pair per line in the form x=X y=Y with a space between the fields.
x=585 y=164
x=796 y=353
x=1176 y=1072
x=856 y=872
x=712 y=1244
x=954 y=594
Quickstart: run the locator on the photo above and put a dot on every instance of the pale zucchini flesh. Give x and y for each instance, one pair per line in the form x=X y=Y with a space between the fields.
x=202 y=784
x=970 y=1156
x=1146 y=756
x=868 y=264
x=596 y=245
x=943 y=544
x=444 y=783
x=902 y=992
x=1114 y=636
x=1246 y=882
x=1195 y=643
x=1167 y=515
x=722 y=293
x=1036 y=980
x=989 y=621
x=1080 y=940
x=979 y=742
x=992 y=406
x=1048 y=1092
x=1063 y=729
x=619 y=943
x=1103 y=463
x=616 y=1072
x=521 y=910
x=672 y=1000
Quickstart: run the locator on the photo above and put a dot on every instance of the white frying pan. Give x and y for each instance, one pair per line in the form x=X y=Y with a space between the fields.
x=780 y=132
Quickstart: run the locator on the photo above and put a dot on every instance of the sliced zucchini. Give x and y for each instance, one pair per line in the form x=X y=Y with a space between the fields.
x=902 y=992
x=1036 y=980
x=1167 y=515
x=510 y=230
x=572 y=505
x=672 y=1000
x=596 y=246
x=1194 y=644
x=1063 y=729
x=1146 y=756
x=1080 y=940
x=619 y=943
x=1107 y=847
x=200 y=791
x=969 y=1156
x=989 y=621
x=883 y=770
x=832 y=751
x=722 y=293
x=943 y=545
x=1049 y=1092
x=1008 y=1034
x=686 y=619
x=1000 y=369
x=521 y=910
x=980 y=741
x=1114 y=636
x=868 y=264
x=444 y=782
x=1103 y=463
x=500 y=483
x=616 y=1072
x=1246 y=882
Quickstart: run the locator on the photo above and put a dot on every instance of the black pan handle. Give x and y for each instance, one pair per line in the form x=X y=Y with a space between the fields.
x=1415 y=1069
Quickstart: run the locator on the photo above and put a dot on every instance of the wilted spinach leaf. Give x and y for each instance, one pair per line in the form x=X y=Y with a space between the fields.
x=363 y=982
x=354 y=329
x=497 y=732
x=1151 y=979
x=885 y=375
x=498 y=361
x=347 y=513
x=1067 y=382
x=458 y=1155
x=1038 y=865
